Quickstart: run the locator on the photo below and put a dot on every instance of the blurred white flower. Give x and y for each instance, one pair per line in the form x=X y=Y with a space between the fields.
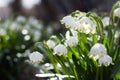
x=27 y=37
x=33 y=21
x=106 y=21
x=36 y=56
x=5 y=3
x=60 y=49
x=106 y=60
x=51 y=44
x=117 y=12
x=98 y=50
x=72 y=41
x=36 y=35
x=2 y=32
x=15 y=26
x=24 y=31
x=49 y=30
x=28 y=4
x=26 y=53
x=117 y=34
x=69 y=21
x=20 y=19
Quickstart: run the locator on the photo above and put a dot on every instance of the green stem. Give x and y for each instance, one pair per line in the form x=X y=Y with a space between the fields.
x=76 y=76
x=101 y=73
x=97 y=73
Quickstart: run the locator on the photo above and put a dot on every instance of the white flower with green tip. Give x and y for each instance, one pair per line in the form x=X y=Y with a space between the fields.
x=117 y=12
x=36 y=57
x=97 y=51
x=69 y=21
x=86 y=25
x=72 y=41
x=105 y=21
x=60 y=49
x=106 y=60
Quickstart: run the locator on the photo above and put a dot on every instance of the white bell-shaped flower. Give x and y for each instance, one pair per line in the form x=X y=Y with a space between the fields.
x=86 y=25
x=97 y=51
x=60 y=49
x=69 y=21
x=72 y=41
x=51 y=44
x=117 y=12
x=105 y=21
x=106 y=60
x=36 y=56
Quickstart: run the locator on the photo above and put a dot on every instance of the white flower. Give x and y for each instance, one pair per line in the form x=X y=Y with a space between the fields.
x=117 y=34
x=72 y=41
x=86 y=25
x=117 y=12
x=69 y=21
x=51 y=44
x=98 y=50
x=60 y=49
x=67 y=34
x=105 y=21
x=106 y=60
x=36 y=56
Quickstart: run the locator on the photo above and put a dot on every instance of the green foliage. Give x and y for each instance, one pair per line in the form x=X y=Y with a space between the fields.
x=78 y=62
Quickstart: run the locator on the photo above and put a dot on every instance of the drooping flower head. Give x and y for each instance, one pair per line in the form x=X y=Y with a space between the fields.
x=86 y=25
x=98 y=50
x=105 y=21
x=36 y=56
x=71 y=41
x=69 y=21
x=117 y=12
x=60 y=49
x=106 y=60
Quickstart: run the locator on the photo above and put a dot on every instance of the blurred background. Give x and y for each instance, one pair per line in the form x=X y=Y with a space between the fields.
x=23 y=23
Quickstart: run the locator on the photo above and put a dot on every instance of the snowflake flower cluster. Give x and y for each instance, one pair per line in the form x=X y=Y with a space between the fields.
x=82 y=24
x=99 y=52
